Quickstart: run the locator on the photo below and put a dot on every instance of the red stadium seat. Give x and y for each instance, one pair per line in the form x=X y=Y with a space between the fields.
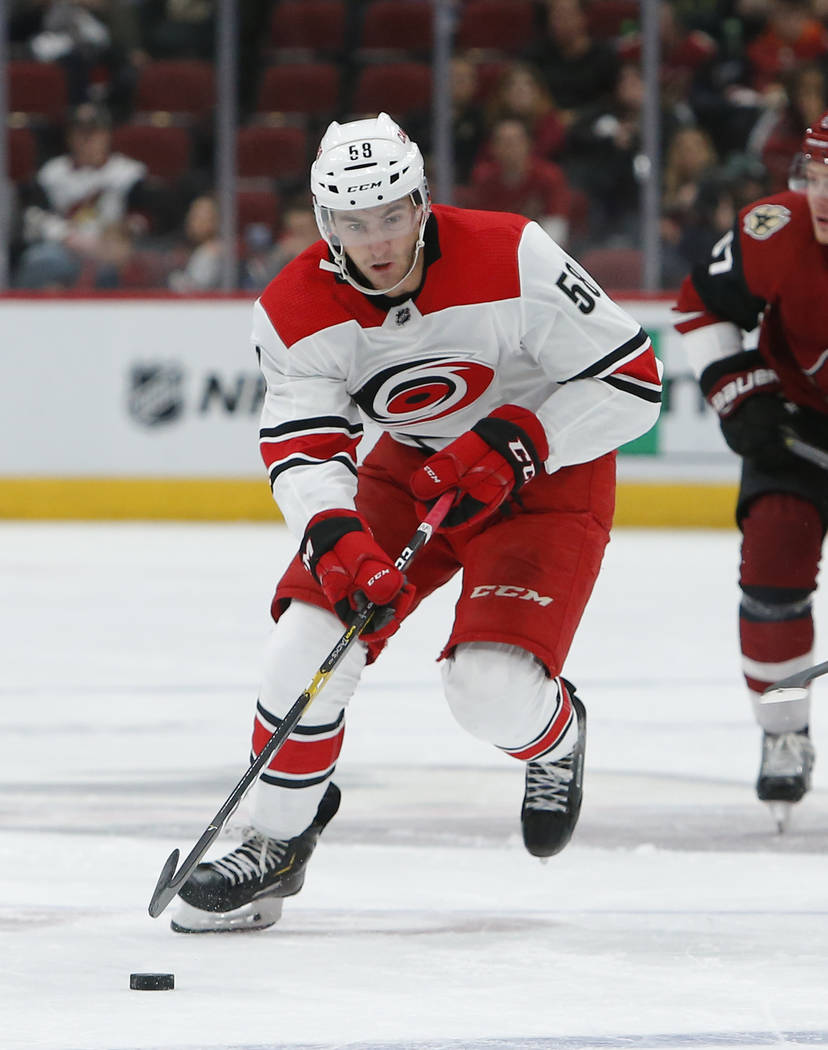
x=261 y=206
x=165 y=149
x=397 y=88
x=272 y=153
x=606 y=18
x=22 y=158
x=496 y=25
x=37 y=89
x=311 y=88
x=615 y=268
x=183 y=87
x=312 y=25
x=398 y=25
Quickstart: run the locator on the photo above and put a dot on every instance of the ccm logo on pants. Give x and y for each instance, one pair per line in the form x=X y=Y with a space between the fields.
x=502 y=590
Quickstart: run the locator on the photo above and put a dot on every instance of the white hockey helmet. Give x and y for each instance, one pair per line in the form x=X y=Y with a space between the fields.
x=365 y=164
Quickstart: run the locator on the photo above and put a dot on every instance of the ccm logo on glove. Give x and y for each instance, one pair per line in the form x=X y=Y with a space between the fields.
x=486 y=465
x=340 y=552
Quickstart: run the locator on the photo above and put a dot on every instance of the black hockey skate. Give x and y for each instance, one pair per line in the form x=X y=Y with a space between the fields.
x=785 y=772
x=552 y=800
x=244 y=889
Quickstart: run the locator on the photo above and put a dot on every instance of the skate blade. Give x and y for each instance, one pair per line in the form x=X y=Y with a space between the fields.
x=257 y=915
x=781 y=813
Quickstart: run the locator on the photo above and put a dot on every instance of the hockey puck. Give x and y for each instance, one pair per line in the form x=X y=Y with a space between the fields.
x=152 y=982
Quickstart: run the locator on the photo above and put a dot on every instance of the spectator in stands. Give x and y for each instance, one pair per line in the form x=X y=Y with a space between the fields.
x=92 y=40
x=777 y=135
x=690 y=155
x=468 y=121
x=517 y=181
x=792 y=34
x=720 y=196
x=264 y=259
x=202 y=270
x=76 y=201
x=174 y=29
x=579 y=70
x=521 y=93
x=683 y=52
x=603 y=157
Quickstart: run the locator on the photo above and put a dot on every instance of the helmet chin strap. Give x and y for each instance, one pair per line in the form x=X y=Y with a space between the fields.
x=340 y=266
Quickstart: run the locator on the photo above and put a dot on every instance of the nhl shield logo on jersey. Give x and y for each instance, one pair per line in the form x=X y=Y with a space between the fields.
x=765 y=220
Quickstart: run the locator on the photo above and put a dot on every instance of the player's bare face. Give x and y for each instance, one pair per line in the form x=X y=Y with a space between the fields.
x=381 y=241
x=816 y=176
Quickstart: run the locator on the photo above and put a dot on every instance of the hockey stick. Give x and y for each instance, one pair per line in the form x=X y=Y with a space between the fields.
x=803 y=449
x=793 y=687
x=172 y=878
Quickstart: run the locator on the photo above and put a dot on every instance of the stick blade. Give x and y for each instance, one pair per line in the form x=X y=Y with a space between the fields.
x=165 y=889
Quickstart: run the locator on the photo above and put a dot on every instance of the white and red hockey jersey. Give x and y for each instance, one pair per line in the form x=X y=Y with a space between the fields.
x=504 y=315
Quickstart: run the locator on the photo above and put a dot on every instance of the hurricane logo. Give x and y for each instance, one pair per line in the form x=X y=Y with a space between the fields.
x=422 y=391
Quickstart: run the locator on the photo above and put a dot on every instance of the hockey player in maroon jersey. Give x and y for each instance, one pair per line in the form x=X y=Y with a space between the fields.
x=771 y=270
x=496 y=369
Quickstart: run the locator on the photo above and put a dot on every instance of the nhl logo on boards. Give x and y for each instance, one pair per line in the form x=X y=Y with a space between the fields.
x=155 y=393
x=403 y=316
x=765 y=220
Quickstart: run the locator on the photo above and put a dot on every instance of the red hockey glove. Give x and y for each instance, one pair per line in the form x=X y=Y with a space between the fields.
x=340 y=552
x=486 y=465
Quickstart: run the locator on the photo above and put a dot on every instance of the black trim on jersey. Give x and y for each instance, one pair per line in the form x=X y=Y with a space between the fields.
x=421 y=443
x=639 y=339
x=295 y=461
x=744 y=361
x=627 y=386
x=727 y=294
x=314 y=423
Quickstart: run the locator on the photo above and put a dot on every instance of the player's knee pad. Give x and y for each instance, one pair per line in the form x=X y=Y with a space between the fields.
x=498 y=693
x=781 y=545
x=299 y=642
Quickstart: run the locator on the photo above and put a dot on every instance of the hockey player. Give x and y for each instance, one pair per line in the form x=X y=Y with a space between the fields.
x=771 y=270
x=496 y=369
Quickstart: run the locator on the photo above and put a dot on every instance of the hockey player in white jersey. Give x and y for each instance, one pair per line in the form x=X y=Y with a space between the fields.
x=496 y=369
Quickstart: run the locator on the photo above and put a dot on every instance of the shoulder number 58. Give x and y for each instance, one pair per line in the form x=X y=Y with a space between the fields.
x=578 y=287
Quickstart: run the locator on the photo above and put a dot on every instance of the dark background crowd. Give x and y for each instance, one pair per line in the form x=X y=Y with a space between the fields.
x=111 y=123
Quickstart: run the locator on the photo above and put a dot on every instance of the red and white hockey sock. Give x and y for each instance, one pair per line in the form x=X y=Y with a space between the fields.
x=558 y=736
x=291 y=786
x=502 y=694
x=780 y=557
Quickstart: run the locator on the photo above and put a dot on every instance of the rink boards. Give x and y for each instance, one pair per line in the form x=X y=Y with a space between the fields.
x=136 y=408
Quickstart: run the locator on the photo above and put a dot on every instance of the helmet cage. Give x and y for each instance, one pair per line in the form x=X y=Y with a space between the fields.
x=366 y=164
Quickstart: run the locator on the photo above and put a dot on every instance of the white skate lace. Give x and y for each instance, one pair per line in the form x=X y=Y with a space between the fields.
x=255 y=858
x=547 y=784
x=786 y=755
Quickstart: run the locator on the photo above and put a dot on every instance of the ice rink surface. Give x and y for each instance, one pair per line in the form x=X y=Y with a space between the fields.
x=677 y=917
